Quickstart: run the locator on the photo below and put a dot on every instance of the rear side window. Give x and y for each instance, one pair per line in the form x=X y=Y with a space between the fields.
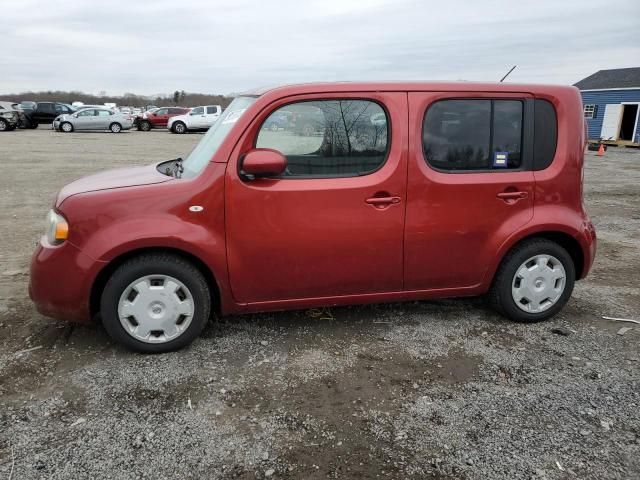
x=462 y=135
x=328 y=138
x=212 y=110
x=545 y=136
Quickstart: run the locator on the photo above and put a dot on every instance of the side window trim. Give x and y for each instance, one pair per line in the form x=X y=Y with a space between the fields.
x=272 y=110
x=526 y=139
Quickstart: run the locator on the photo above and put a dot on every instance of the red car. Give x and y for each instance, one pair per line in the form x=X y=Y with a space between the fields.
x=400 y=191
x=160 y=117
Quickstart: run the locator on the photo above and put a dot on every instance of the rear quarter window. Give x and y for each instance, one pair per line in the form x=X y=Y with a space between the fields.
x=545 y=134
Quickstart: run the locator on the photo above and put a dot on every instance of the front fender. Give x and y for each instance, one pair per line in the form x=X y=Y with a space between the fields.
x=122 y=238
x=108 y=223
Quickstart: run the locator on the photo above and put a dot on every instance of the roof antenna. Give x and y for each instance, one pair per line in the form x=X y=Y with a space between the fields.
x=512 y=69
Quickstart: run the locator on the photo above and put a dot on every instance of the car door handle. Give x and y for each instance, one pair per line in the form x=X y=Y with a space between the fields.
x=381 y=202
x=512 y=195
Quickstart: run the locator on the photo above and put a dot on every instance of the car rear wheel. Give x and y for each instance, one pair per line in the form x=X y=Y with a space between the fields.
x=66 y=127
x=179 y=127
x=533 y=282
x=144 y=125
x=155 y=303
x=115 y=127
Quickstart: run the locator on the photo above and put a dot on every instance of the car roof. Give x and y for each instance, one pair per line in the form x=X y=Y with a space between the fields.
x=414 y=86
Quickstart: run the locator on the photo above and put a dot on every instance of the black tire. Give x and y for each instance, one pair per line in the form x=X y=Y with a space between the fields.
x=144 y=126
x=155 y=264
x=500 y=296
x=179 y=127
x=4 y=125
x=115 y=127
x=33 y=125
x=62 y=127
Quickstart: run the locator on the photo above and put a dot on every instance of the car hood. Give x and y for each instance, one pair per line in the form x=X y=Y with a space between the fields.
x=119 y=178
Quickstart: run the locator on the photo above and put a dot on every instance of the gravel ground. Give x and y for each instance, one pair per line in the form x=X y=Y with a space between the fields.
x=442 y=389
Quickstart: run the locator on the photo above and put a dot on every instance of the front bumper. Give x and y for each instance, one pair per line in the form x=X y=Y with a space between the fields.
x=60 y=281
x=12 y=121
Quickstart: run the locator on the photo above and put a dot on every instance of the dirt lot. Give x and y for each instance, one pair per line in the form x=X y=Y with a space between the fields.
x=444 y=389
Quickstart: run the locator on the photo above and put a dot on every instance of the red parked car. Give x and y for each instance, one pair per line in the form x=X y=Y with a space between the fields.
x=398 y=191
x=160 y=117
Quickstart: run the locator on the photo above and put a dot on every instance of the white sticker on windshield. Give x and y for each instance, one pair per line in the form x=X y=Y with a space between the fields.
x=234 y=116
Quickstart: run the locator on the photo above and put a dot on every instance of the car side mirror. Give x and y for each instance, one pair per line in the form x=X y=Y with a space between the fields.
x=262 y=162
x=75 y=115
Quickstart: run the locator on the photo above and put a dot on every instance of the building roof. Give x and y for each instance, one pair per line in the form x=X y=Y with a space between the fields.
x=610 y=79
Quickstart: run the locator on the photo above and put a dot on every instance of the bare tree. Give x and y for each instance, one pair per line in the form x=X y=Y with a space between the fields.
x=130 y=99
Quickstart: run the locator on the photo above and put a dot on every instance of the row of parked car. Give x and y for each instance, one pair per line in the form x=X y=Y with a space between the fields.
x=68 y=118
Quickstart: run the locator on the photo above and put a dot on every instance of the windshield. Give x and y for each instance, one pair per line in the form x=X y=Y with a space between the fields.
x=202 y=153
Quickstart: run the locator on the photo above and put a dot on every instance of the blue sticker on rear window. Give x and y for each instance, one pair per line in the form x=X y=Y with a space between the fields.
x=500 y=159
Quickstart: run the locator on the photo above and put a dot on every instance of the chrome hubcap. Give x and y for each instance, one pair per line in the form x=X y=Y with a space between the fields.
x=156 y=308
x=538 y=283
x=66 y=127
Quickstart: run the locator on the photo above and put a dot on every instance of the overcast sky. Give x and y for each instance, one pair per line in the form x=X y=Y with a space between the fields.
x=224 y=46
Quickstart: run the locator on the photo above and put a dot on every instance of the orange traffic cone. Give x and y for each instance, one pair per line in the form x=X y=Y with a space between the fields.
x=601 y=150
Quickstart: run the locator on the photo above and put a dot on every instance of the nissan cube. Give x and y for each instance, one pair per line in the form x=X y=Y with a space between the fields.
x=330 y=194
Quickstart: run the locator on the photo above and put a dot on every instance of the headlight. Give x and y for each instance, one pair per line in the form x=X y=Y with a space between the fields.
x=57 y=228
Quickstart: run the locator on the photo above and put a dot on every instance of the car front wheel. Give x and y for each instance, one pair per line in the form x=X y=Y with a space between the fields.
x=178 y=127
x=533 y=282
x=66 y=127
x=4 y=125
x=115 y=127
x=155 y=303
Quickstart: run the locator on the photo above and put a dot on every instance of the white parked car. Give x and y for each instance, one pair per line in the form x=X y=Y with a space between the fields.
x=199 y=118
x=93 y=119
